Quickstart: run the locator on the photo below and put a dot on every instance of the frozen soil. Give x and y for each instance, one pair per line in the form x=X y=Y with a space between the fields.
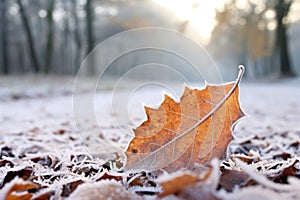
x=40 y=144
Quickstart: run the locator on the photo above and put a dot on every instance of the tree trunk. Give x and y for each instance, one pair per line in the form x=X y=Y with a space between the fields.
x=285 y=65
x=66 y=44
x=5 y=63
x=282 y=10
x=90 y=36
x=76 y=38
x=33 y=55
x=49 y=45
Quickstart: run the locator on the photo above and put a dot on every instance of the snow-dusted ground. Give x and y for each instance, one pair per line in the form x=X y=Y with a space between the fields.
x=271 y=106
x=36 y=120
x=29 y=102
x=46 y=103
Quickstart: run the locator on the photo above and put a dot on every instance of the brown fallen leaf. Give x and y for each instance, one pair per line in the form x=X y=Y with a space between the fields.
x=108 y=176
x=282 y=175
x=194 y=130
x=191 y=185
x=6 y=151
x=23 y=173
x=177 y=184
x=142 y=180
x=4 y=162
x=68 y=188
x=43 y=196
x=231 y=178
x=21 y=191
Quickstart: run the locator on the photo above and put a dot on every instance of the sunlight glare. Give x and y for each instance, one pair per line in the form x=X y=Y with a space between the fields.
x=199 y=13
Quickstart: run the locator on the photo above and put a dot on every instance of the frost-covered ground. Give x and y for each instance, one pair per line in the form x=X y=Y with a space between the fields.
x=40 y=106
x=31 y=102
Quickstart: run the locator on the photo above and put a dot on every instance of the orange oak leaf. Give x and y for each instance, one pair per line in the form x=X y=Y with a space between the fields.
x=179 y=134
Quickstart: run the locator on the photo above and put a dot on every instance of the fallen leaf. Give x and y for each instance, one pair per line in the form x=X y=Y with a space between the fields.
x=191 y=185
x=289 y=170
x=5 y=162
x=43 y=196
x=21 y=190
x=142 y=180
x=45 y=160
x=68 y=188
x=177 y=184
x=231 y=178
x=59 y=132
x=23 y=173
x=109 y=176
x=194 y=130
x=246 y=158
x=6 y=151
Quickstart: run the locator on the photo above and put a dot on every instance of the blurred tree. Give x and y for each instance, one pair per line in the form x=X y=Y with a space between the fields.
x=53 y=36
x=28 y=30
x=255 y=31
x=282 y=8
x=89 y=22
x=77 y=37
x=66 y=52
x=49 y=45
x=4 y=38
x=90 y=35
